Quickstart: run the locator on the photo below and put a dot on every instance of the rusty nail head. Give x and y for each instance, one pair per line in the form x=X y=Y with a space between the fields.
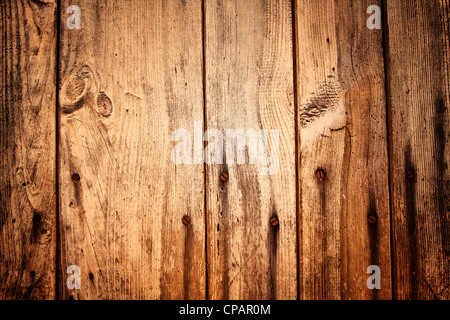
x=76 y=177
x=411 y=174
x=274 y=221
x=224 y=176
x=186 y=220
x=320 y=174
x=372 y=219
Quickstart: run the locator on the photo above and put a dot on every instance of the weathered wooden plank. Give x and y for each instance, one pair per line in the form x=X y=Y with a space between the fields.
x=419 y=91
x=343 y=160
x=131 y=76
x=249 y=85
x=27 y=148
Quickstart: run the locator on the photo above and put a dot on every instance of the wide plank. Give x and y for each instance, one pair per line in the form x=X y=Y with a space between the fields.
x=419 y=90
x=249 y=86
x=343 y=178
x=28 y=149
x=130 y=77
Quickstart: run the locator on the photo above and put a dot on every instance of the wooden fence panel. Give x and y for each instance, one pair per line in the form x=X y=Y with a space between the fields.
x=224 y=149
x=27 y=149
x=419 y=91
x=249 y=85
x=130 y=77
x=345 y=224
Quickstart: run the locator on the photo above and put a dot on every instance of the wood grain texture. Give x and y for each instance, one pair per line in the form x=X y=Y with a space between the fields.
x=343 y=158
x=27 y=149
x=130 y=77
x=356 y=133
x=418 y=73
x=249 y=85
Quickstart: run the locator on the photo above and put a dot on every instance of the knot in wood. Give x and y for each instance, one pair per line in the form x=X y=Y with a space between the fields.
x=104 y=105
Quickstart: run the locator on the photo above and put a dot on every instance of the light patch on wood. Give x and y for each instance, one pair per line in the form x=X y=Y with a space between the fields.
x=322 y=111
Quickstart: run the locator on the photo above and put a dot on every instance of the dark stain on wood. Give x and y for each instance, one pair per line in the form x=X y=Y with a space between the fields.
x=373 y=230
x=442 y=167
x=91 y=277
x=273 y=246
x=188 y=259
x=222 y=242
x=411 y=217
x=373 y=235
x=36 y=229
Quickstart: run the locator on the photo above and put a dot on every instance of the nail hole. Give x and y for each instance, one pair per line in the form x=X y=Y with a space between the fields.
x=37 y=219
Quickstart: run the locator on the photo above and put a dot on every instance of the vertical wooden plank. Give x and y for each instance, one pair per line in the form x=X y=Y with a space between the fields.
x=249 y=85
x=130 y=77
x=418 y=73
x=343 y=161
x=27 y=148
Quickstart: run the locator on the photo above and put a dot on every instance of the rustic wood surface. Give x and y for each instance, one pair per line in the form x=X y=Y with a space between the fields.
x=249 y=85
x=129 y=78
x=91 y=117
x=419 y=91
x=342 y=121
x=28 y=150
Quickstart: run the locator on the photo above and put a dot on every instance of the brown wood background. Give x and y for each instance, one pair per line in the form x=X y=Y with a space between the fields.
x=86 y=176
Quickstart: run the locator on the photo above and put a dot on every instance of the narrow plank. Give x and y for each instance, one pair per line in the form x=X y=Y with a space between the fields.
x=27 y=148
x=249 y=85
x=419 y=91
x=343 y=161
x=130 y=77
